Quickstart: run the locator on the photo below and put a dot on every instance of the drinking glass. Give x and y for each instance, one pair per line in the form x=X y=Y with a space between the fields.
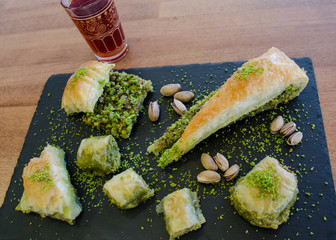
x=99 y=23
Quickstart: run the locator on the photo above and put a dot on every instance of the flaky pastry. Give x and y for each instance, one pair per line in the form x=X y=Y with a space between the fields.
x=85 y=86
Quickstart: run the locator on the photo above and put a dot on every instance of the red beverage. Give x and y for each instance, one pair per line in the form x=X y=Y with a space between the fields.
x=99 y=23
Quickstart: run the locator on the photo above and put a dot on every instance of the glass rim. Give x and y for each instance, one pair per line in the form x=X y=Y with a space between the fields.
x=86 y=6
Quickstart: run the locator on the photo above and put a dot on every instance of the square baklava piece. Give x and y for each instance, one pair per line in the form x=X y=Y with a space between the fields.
x=266 y=194
x=127 y=189
x=182 y=212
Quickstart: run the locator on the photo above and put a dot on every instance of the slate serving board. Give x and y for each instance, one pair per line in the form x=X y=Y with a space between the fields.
x=246 y=141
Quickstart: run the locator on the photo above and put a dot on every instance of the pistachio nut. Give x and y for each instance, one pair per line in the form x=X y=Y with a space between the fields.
x=277 y=124
x=179 y=107
x=170 y=89
x=222 y=162
x=232 y=172
x=153 y=111
x=208 y=176
x=208 y=163
x=184 y=96
x=295 y=138
x=288 y=129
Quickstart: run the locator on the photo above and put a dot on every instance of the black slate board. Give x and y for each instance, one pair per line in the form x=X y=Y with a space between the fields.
x=313 y=216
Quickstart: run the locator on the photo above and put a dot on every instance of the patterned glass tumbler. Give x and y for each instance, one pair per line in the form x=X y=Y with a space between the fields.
x=99 y=23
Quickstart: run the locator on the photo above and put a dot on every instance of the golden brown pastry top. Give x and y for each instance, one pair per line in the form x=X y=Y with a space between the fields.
x=257 y=82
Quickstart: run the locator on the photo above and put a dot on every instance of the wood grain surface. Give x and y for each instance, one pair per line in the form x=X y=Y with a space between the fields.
x=38 y=39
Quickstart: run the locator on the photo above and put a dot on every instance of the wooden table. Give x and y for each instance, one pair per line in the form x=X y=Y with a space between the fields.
x=38 y=39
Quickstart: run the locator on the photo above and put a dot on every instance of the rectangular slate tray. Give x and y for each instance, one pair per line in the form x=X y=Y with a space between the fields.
x=246 y=141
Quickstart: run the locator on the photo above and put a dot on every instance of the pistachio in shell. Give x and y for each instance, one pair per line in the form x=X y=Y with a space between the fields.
x=179 y=107
x=288 y=129
x=153 y=111
x=277 y=124
x=208 y=176
x=184 y=96
x=232 y=172
x=208 y=163
x=295 y=138
x=222 y=162
x=170 y=89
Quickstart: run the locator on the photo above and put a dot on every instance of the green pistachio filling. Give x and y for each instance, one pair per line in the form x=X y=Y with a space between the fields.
x=287 y=95
x=100 y=155
x=117 y=109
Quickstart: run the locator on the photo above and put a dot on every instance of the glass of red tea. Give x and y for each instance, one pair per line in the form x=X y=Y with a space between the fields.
x=99 y=23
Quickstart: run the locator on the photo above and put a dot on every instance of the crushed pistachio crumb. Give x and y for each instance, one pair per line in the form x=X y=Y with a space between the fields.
x=81 y=72
x=266 y=181
x=42 y=175
x=248 y=70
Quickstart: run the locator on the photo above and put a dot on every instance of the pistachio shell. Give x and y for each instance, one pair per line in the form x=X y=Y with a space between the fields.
x=179 y=107
x=170 y=89
x=277 y=124
x=208 y=176
x=232 y=172
x=184 y=96
x=221 y=162
x=153 y=111
x=208 y=163
x=295 y=138
x=288 y=129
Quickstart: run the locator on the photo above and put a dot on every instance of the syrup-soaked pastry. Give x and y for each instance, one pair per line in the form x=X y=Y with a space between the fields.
x=100 y=155
x=85 y=86
x=47 y=187
x=107 y=100
x=266 y=194
x=127 y=189
x=182 y=212
x=260 y=84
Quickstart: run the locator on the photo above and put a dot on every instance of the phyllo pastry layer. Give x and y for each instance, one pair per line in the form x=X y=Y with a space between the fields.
x=127 y=189
x=265 y=195
x=260 y=84
x=47 y=187
x=100 y=155
x=182 y=212
x=85 y=86
x=118 y=108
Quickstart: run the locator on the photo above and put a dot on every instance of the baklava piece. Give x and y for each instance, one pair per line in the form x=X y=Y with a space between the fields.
x=182 y=212
x=106 y=100
x=100 y=155
x=127 y=189
x=265 y=195
x=85 y=86
x=47 y=187
x=118 y=108
x=259 y=85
